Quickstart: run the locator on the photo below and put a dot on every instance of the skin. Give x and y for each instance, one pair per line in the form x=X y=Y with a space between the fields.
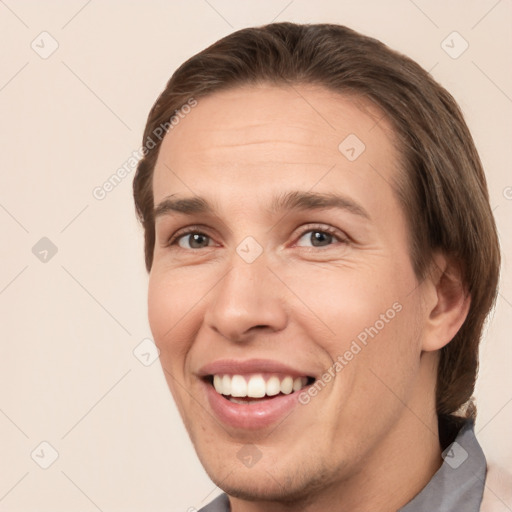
x=369 y=439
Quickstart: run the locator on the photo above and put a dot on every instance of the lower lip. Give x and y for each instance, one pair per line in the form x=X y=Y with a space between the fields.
x=252 y=416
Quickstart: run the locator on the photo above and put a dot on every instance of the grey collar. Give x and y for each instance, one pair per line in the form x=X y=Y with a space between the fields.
x=459 y=482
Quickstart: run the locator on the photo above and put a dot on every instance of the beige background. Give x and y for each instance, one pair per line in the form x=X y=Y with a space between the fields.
x=70 y=324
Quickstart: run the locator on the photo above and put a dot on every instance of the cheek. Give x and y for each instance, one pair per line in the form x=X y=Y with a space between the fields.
x=369 y=319
x=344 y=301
x=169 y=304
x=171 y=317
x=158 y=307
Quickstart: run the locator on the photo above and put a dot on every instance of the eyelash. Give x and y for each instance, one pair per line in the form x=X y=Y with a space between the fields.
x=344 y=239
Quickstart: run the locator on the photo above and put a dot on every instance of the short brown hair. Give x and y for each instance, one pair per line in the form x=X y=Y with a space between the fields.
x=442 y=186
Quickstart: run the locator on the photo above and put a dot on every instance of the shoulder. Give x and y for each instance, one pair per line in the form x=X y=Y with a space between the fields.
x=497 y=495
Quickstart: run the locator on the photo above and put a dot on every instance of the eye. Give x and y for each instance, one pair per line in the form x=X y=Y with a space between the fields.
x=191 y=239
x=320 y=237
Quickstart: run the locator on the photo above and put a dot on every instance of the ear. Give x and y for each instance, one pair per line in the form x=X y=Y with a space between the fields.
x=447 y=305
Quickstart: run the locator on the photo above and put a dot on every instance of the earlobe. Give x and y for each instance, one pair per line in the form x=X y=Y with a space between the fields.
x=450 y=305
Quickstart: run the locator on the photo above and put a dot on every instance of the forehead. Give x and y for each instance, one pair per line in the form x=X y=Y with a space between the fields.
x=261 y=139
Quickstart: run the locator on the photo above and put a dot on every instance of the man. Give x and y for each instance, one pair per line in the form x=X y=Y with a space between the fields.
x=322 y=257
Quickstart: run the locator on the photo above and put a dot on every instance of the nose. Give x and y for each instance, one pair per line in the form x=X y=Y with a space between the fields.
x=247 y=300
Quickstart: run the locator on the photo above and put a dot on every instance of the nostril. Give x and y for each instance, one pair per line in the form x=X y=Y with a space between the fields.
x=260 y=327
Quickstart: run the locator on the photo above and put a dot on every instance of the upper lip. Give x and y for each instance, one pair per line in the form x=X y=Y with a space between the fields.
x=249 y=366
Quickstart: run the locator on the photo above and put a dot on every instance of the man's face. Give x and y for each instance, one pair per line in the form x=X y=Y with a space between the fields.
x=266 y=296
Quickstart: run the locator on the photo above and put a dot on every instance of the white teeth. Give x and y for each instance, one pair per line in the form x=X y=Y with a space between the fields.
x=255 y=386
x=217 y=383
x=239 y=386
x=226 y=385
x=273 y=386
x=297 y=384
x=235 y=401
x=287 y=385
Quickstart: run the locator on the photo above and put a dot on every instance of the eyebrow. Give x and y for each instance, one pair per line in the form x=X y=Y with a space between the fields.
x=292 y=200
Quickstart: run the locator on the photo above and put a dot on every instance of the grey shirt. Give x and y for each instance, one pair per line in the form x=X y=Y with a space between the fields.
x=457 y=486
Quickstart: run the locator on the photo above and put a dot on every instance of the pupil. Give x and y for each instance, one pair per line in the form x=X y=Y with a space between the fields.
x=319 y=236
x=197 y=240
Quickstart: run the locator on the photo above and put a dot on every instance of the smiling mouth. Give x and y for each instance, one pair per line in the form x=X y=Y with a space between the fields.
x=253 y=388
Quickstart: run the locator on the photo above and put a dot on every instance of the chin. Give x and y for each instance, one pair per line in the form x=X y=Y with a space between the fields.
x=270 y=482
